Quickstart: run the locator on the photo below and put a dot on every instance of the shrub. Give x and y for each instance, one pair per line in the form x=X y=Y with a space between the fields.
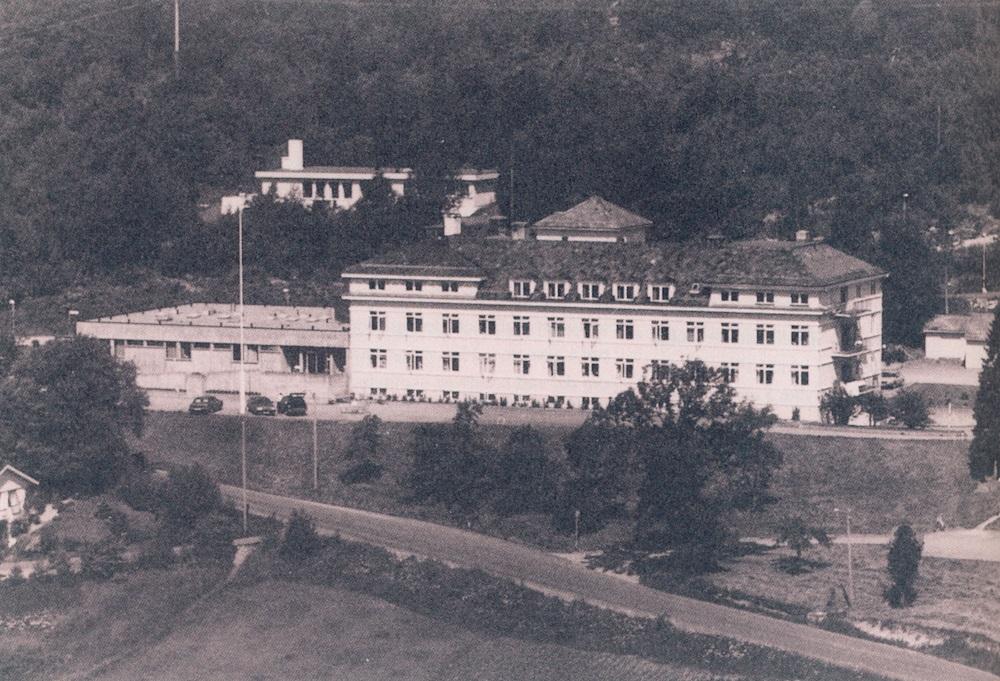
x=140 y=490
x=102 y=560
x=911 y=409
x=188 y=495
x=796 y=414
x=301 y=540
x=212 y=538
x=366 y=471
x=366 y=437
x=903 y=564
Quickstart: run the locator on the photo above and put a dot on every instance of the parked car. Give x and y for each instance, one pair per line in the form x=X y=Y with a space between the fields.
x=293 y=404
x=206 y=404
x=260 y=405
x=891 y=380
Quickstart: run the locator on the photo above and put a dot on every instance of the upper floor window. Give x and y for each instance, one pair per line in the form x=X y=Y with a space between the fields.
x=659 y=293
x=414 y=360
x=800 y=335
x=765 y=374
x=449 y=323
x=730 y=371
x=414 y=285
x=590 y=290
x=800 y=298
x=765 y=334
x=487 y=325
x=857 y=291
x=414 y=322
x=661 y=329
x=624 y=329
x=695 y=332
x=521 y=288
x=730 y=296
x=625 y=368
x=376 y=320
x=522 y=326
x=590 y=366
x=873 y=287
x=557 y=327
x=800 y=375
x=844 y=294
x=730 y=332
x=556 y=365
x=182 y=350
x=487 y=362
x=376 y=284
x=449 y=361
x=522 y=364
x=765 y=297
x=590 y=328
x=556 y=289
x=449 y=287
x=624 y=291
x=378 y=358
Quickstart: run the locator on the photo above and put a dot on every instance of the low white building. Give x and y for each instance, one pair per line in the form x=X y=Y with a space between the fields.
x=14 y=487
x=570 y=322
x=958 y=336
x=196 y=348
x=593 y=220
x=343 y=186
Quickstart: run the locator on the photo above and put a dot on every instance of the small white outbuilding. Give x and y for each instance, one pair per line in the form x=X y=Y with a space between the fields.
x=14 y=487
x=958 y=336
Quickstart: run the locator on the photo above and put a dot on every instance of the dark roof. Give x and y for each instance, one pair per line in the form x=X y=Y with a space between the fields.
x=975 y=327
x=746 y=263
x=593 y=215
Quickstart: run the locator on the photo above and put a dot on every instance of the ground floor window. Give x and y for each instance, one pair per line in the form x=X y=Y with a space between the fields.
x=118 y=349
x=178 y=350
x=251 y=356
x=449 y=395
x=590 y=402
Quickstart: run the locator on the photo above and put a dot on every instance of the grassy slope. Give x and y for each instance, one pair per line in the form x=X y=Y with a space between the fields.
x=281 y=630
x=883 y=481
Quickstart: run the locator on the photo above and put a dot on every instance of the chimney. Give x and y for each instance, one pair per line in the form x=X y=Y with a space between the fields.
x=802 y=235
x=294 y=159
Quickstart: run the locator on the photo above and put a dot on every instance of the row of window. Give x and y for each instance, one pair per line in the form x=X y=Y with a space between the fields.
x=592 y=290
x=491 y=398
x=181 y=350
x=624 y=328
x=555 y=365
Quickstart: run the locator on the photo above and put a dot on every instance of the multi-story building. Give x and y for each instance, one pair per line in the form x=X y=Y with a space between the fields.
x=575 y=323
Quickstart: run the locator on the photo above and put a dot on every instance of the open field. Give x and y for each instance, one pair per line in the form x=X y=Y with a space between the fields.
x=48 y=629
x=883 y=481
x=276 y=630
x=955 y=597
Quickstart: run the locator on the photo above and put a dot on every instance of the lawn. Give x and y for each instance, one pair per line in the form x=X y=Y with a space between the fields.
x=69 y=627
x=883 y=481
x=283 y=630
x=954 y=596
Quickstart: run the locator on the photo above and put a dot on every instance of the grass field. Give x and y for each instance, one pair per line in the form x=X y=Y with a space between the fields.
x=961 y=597
x=277 y=630
x=883 y=481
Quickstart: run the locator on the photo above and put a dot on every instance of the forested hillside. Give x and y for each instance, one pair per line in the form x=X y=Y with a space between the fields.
x=708 y=116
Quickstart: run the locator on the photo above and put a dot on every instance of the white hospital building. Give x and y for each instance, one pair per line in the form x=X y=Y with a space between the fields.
x=576 y=320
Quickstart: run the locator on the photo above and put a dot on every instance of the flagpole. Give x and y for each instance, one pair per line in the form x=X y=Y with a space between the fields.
x=243 y=385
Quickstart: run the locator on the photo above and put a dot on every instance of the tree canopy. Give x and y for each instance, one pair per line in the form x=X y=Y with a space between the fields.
x=742 y=119
x=984 y=452
x=66 y=409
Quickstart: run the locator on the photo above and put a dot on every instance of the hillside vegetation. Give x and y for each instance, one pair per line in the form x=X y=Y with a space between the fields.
x=709 y=117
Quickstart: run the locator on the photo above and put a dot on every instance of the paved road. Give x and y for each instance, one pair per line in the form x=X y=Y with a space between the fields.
x=558 y=576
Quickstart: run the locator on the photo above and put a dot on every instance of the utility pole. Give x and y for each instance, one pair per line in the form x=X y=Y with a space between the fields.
x=984 y=267
x=850 y=555
x=177 y=39
x=243 y=387
x=315 y=452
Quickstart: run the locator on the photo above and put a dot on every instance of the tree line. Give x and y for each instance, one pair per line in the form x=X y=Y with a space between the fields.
x=708 y=117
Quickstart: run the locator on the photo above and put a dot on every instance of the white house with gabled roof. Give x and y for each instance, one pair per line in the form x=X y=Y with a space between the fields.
x=14 y=486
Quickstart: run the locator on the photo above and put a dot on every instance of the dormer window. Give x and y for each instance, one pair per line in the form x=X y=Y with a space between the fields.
x=591 y=290
x=414 y=285
x=376 y=284
x=449 y=287
x=625 y=291
x=660 y=293
x=729 y=296
x=521 y=288
x=556 y=289
x=765 y=297
x=799 y=298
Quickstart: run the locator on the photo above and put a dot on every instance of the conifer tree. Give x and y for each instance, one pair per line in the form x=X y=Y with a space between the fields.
x=984 y=452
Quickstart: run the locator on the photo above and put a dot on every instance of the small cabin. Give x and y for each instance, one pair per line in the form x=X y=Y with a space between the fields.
x=14 y=486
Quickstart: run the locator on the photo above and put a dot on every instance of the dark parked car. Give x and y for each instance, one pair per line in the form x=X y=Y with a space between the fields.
x=293 y=404
x=206 y=404
x=891 y=380
x=260 y=405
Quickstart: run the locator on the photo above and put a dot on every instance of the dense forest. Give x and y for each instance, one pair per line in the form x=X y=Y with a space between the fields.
x=736 y=117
